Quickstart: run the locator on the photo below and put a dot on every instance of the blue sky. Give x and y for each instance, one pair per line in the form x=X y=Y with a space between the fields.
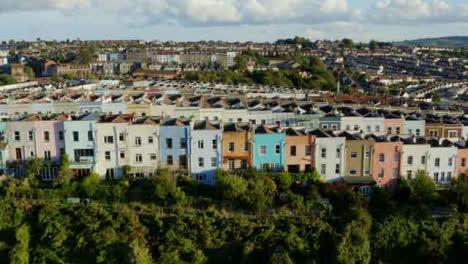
x=232 y=20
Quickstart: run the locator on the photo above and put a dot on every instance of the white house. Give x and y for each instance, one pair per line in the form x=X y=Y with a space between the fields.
x=442 y=161
x=329 y=155
x=206 y=151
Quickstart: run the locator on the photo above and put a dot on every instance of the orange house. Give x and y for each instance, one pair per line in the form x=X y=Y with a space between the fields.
x=462 y=162
x=386 y=159
x=299 y=151
x=237 y=140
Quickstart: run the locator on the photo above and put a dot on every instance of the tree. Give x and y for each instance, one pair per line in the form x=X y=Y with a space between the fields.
x=65 y=173
x=20 y=253
x=138 y=254
x=33 y=171
x=423 y=189
x=283 y=180
x=436 y=97
x=373 y=45
x=347 y=43
x=240 y=63
x=85 y=54
x=6 y=79
x=29 y=72
x=354 y=246
x=460 y=189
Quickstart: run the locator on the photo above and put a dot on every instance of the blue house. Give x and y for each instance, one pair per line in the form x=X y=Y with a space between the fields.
x=174 y=135
x=330 y=122
x=269 y=149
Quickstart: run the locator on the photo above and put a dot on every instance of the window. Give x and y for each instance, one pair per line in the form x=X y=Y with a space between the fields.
x=449 y=176
x=410 y=132
x=214 y=144
x=308 y=150
x=325 y=127
x=153 y=156
x=389 y=130
x=122 y=155
x=214 y=162
x=170 y=160
x=452 y=134
x=410 y=160
x=32 y=154
x=17 y=136
x=352 y=171
x=263 y=121
x=60 y=135
x=442 y=176
x=381 y=157
x=244 y=164
x=436 y=177
x=293 y=151
x=47 y=155
x=423 y=160
x=246 y=146
x=90 y=135
x=201 y=162
x=450 y=163
x=46 y=136
x=323 y=169
x=367 y=154
x=463 y=162
x=381 y=173
x=231 y=147
x=109 y=173
x=377 y=128
x=334 y=127
x=76 y=136
x=201 y=144
x=183 y=143
x=31 y=135
x=169 y=143
x=138 y=158
x=108 y=155
x=138 y=141
x=353 y=155
x=368 y=129
x=231 y=164
x=323 y=152
x=150 y=140
x=433 y=133
x=108 y=139
x=263 y=150
x=19 y=156
x=418 y=132
x=356 y=127
x=397 y=130
x=86 y=154
x=409 y=174
x=277 y=149
x=62 y=151
x=437 y=162
x=121 y=137
x=337 y=168
x=238 y=119
x=338 y=153
x=396 y=157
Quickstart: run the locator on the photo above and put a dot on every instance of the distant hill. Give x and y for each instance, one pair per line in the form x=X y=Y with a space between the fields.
x=456 y=42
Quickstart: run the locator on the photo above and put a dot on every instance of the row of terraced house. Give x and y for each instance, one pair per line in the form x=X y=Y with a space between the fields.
x=112 y=145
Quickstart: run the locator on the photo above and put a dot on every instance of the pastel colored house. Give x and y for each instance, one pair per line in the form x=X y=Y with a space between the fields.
x=143 y=146
x=206 y=151
x=237 y=146
x=111 y=138
x=330 y=122
x=300 y=148
x=358 y=156
x=174 y=135
x=269 y=149
x=394 y=124
x=442 y=161
x=329 y=155
x=374 y=124
x=387 y=153
x=462 y=161
x=414 y=126
x=414 y=156
x=307 y=117
x=352 y=122
x=80 y=144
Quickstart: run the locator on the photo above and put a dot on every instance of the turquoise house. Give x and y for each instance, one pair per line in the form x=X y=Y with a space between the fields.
x=269 y=149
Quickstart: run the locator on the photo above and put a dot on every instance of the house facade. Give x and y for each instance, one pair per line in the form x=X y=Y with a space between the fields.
x=268 y=149
x=173 y=143
x=329 y=155
x=237 y=146
x=300 y=148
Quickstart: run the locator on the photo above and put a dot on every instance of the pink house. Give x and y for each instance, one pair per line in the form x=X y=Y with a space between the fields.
x=394 y=124
x=386 y=160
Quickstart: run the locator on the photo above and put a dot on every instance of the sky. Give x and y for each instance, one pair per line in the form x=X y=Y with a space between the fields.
x=232 y=20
